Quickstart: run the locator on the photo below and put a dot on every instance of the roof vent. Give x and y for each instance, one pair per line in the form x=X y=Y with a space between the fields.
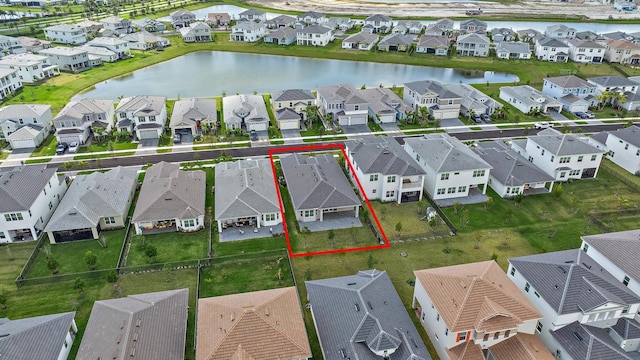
x=351 y=284
x=357 y=307
x=562 y=269
x=577 y=336
x=587 y=266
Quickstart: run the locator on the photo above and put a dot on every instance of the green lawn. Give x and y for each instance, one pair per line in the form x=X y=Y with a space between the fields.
x=105 y=147
x=247 y=246
x=70 y=255
x=407 y=214
x=171 y=246
x=12 y=259
x=47 y=148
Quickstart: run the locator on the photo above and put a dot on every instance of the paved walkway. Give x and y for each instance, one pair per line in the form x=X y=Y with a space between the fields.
x=334 y=221
x=475 y=197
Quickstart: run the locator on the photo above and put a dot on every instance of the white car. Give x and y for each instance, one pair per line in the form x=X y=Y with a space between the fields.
x=73 y=147
x=542 y=125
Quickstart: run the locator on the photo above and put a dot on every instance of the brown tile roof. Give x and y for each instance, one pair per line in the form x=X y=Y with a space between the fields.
x=476 y=296
x=257 y=325
x=521 y=347
x=465 y=351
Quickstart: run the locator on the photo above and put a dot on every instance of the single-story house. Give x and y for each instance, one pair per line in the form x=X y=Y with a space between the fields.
x=281 y=36
x=360 y=41
x=513 y=50
x=396 y=42
x=437 y=45
x=246 y=112
x=143 y=40
x=193 y=115
x=385 y=106
x=527 y=99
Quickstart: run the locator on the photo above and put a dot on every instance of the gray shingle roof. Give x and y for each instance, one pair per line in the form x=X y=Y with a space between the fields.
x=292 y=95
x=282 y=33
x=40 y=337
x=612 y=81
x=427 y=86
x=569 y=81
x=20 y=186
x=621 y=248
x=94 y=196
x=630 y=134
x=397 y=40
x=252 y=12
x=383 y=101
x=561 y=144
x=188 y=112
x=509 y=167
x=358 y=314
x=151 y=326
x=249 y=107
x=430 y=41
x=23 y=111
x=79 y=109
x=245 y=188
x=444 y=153
x=572 y=282
x=287 y=114
x=586 y=342
x=472 y=98
x=382 y=155
x=317 y=182
x=314 y=29
x=340 y=92
x=552 y=42
x=170 y=193
x=26 y=132
x=513 y=47
x=378 y=17
x=627 y=328
x=362 y=37
x=143 y=105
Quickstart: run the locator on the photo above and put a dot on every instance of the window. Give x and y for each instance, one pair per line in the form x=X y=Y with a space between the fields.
x=390 y=194
x=269 y=217
x=513 y=271
x=485 y=337
x=542 y=153
x=626 y=281
x=373 y=177
x=462 y=336
x=496 y=336
x=565 y=159
x=309 y=213
x=440 y=191
x=14 y=216
x=391 y=179
x=506 y=333
x=444 y=176
x=418 y=156
x=585 y=248
x=563 y=174
x=594 y=157
x=446 y=331
x=527 y=286
x=50 y=205
x=530 y=158
x=536 y=294
x=152 y=118
x=141 y=119
x=2 y=236
x=373 y=191
x=437 y=317
x=539 y=327
x=478 y=173
x=638 y=152
x=574 y=172
x=451 y=190
x=552 y=158
x=109 y=220
x=580 y=158
x=188 y=223
x=462 y=188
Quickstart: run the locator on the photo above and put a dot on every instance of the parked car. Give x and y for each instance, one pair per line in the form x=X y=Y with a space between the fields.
x=73 y=147
x=543 y=125
x=590 y=115
x=486 y=118
x=253 y=135
x=177 y=139
x=581 y=115
x=477 y=119
x=61 y=148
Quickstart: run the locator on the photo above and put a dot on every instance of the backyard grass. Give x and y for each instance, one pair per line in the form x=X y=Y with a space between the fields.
x=70 y=255
x=12 y=259
x=247 y=246
x=390 y=214
x=171 y=247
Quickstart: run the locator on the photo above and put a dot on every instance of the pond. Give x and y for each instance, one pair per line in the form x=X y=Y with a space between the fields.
x=211 y=73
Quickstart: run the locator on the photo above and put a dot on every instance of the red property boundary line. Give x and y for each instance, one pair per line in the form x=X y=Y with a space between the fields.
x=362 y=192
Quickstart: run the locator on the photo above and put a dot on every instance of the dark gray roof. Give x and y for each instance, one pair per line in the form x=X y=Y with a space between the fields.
x=282 y=33
x=287 y=114
x=292 y=95
x=445 y=153
x=362 y=38
x=427 y=86
x=21 y=185
x=151 y=326
x=572 y=282
x=190 y=111
x=600 y=137
x=382 y=155
x=583 y=342
x=358 y=314
x=627 y=328
x=630 y=134
x=252 y=12
x=552 y=42
x=561 y=144
x=142 y=105
x=569 y=81
x=621 y=248
x=312 y=14
x=378 y=17
x=612 y=81
x=40 y=337
x=317 y=182
x=475 y=22
x=397 y=39
x=315 y=29
x=508 y=167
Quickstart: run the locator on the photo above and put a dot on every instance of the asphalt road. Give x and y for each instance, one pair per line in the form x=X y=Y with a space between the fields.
x=263 y=150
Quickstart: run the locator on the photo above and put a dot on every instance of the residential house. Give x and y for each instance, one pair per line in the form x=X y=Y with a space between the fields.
x=560 y=31
x=137 y=326
x=453 y=170
x=585 y=51
x=575 y=94
x=340 y=23
x=622 y=146
x=529 y=35
x=25 y=125
x=218 y=19
x=193 y=115
x=314 y=35
x=29 y=195
x=380 y=23
x=589 y=35
x=445 y=24
x=529 y=100
x=66 y=34
x=246 y=195
x=67 y=58
x=384 y=105
x=119 y=46
x=318 y=188
x=360 y=41
x=102 y=54
x=11 y=45
x=267 y=324
x=385 y=171
x=618 y=84
x=473 y=101
x=89 y=27
x=196 y=32
x=361 y=316
x=145 y=115
x=513 y=50
x=9 y=82
x=437 y=45
x=396 y=42
x=245 y=112
x=440 y=102
x=75 y=122
x=312 y=18
x=581 y=341
x=94 y=202
x=295 y=100
x=143 y=40
x=473 y=26
x=40 y=337
x=253 y=15
x=434 y=30
x=150 y=25
x=343 y=103
x=248 y=31
x=281 y=21
x=31 y=67
x=473 y=311
x=408 y=27
x=621 y=51
x=182 y=18
x=170 y=200
x=472 y=44
x=570 y=287
x=563 y=156
x=550 y=49
x=281 y=36
x=499 y=35
x=117 y=25
x=512 y=174
x=33 y=45
x=615 y=35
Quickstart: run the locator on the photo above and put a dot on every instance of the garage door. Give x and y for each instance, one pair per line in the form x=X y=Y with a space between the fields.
x=148 y=134
x=289 y=124
x=258 y=127
x=352 y=120
x=21 y=144
x=579 y=107
x=68 y=138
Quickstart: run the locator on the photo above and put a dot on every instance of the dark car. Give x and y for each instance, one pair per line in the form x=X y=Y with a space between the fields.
x=477 y=119
x=253 y=135
x=177 y=138
x=61 y=148
x=486 y=118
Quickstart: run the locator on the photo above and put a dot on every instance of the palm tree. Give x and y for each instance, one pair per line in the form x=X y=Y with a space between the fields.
x=618 y=98
x=311 y=114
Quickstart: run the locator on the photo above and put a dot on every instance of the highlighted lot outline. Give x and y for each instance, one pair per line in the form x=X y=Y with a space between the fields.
x=307 y=148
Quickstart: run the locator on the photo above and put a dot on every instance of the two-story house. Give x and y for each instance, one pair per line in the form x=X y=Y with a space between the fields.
x=585 y=51
x=622 y=146
x=29 y=195
x=218 y=19
x=430 y=94
x=453 y=170
x=473 y=101
x=385 y=106
x=25 y=125
x=11 y=45
x=253 y=15
x=408 y=27
x=622 y=51
x=31 y=67
x=626 y=86
x=196 y=32
x=384 y=170
x=245 y=112
x=473 y=26
x=181 y=18
x=343 y=103
x=147 y=24
x=291 y=100
x=66 y=34
x=75 y=122
x=117 y=25
x=379 y=23
x=312 y=18
x=42 y=337
x=499 y=35
x=560 y=31
x=528 y=100
x=280 y=21
x=9 y=82
x=473 y=311
x=145 y=115
x=281 y=36
x=34 y=45
x=119 y=46
x=67 y=58
x=248 y=31
x=563 y=156
x=550 y=49
x=575 y=94
x=472 y=44
x=314 y=35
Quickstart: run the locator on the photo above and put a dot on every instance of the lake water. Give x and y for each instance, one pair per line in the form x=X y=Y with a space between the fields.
x=210 y=73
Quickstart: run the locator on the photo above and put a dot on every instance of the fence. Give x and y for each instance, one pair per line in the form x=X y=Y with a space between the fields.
x=32 y=259
x=452 y=228
x=122 y=260
x=616 y=172
x=600 y=219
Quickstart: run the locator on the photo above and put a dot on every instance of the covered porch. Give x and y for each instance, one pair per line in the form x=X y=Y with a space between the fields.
x=334 y=221
x=156 y=227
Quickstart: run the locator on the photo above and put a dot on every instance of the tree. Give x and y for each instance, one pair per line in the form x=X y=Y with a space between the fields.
x=420 y=206
x=478 y=236
x=518 y=199
x=78 y=284
x=557 y=191
x=91 y=259
x=112 y=277
x=53 y=264
x=311 y=115
x=457 y=207
x=488 y=204
x=151 y=251
x=399 y=227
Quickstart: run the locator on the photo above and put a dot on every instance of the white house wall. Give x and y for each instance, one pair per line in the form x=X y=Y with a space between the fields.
x=612 y=268
x=435 y=329
x=543 y=161
x=628 y=159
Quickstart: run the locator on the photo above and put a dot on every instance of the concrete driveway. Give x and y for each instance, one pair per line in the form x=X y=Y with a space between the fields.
x=287 y=135
x=356 y=129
